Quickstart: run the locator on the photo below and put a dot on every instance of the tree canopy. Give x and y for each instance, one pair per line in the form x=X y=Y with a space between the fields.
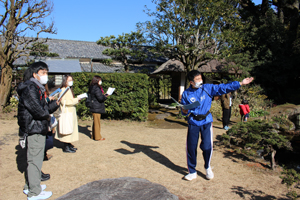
x=272 y=38
x=193 y=31
x=262 y=40
x=123 y=47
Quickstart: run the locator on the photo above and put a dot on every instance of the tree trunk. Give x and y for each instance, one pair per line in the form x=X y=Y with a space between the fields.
x=273 y=164
x=126 y=67
x=280 y=14
x=5 y=86
x=187 y=83
x=264 y=7
x=294 y=20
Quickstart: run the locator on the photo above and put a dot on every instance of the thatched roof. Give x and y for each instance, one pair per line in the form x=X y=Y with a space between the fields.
x=213 y=66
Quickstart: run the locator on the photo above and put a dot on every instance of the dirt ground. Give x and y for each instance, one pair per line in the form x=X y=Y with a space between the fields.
x=151 y=150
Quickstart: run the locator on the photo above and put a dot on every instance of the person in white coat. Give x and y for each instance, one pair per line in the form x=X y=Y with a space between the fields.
x=70 y=102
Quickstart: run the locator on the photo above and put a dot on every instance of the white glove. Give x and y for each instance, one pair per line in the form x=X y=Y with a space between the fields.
x=22 y=141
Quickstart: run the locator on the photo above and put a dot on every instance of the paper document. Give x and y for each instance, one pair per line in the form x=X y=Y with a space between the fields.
x=55 y=93
x=82 y=96
x=188 y=106
x=110 y=90
x=63 y=93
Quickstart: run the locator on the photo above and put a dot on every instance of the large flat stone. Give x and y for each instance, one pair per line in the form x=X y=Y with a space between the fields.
x=125 y=188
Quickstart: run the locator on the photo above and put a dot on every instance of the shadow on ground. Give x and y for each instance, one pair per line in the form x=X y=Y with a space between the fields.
x=164 y=118
x=182 y=123
x=154 y=155
x=84 y=129
x=81 y=129
x=253 y=194
x=21 y=159
x=236 y=157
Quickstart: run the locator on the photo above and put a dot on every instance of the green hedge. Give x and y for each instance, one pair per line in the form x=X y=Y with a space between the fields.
x=129 y=100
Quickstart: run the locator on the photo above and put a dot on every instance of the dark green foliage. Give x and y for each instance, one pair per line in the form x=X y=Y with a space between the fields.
x=193 y=32
x=106 y=61
x=255 y=135
x=129 y=44
x=291 y=177
x=159 y=88
x=273 y=46
x=283 y=123
x=258 y=102
x=258 y=113
x=129 y=100
x=39 y=50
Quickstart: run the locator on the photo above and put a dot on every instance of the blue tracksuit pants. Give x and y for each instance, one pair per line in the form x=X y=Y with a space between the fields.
x=206 y=145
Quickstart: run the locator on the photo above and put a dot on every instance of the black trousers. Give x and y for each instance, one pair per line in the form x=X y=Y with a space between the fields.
x=226 y=116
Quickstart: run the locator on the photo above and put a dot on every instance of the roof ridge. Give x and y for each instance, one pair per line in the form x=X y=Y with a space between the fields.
x=70 y=40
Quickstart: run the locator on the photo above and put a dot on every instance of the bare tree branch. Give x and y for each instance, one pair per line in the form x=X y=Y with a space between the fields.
x=19 y=17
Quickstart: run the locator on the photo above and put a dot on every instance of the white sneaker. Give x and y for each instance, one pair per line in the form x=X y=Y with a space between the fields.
x=42 y=195
x=209 y=174
x=43 y=187
x=190 y=176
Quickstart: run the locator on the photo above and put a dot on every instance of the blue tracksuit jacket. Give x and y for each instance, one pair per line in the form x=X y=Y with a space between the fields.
x=204 y=95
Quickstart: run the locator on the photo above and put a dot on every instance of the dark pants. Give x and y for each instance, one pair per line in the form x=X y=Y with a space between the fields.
x=206 y=145
x=49 y=141
x=244 y=116
x=226 y=116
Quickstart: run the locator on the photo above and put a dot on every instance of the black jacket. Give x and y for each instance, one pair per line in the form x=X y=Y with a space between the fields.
x=97 y=99
x=33 y=110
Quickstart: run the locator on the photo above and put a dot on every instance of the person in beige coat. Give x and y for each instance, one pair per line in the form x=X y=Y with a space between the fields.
x=70 y=102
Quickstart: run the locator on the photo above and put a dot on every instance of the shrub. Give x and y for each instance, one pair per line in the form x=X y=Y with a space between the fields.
x=282 y=123
x=291 y=177
x=129 y=100
x=256 y=135
x=258 y=102
x=159 y=87
x=258 y=113
x=12 y=106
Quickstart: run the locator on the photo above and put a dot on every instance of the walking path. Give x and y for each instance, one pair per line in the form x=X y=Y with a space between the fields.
x=138 y=149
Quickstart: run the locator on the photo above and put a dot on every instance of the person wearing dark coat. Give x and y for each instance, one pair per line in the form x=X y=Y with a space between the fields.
x=34 y=120
x=26 y=76
x=226 y=103
x=97 y=106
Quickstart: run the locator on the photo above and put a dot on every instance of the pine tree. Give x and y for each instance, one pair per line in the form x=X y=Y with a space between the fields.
x=256 y=135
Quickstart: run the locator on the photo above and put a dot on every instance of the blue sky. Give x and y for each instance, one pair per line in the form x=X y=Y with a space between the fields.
x=90 y=19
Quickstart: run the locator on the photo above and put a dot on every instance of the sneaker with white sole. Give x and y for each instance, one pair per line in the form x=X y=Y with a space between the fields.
x=42 y=195
x=43 y=187
x=191 y=176
x=209 y=174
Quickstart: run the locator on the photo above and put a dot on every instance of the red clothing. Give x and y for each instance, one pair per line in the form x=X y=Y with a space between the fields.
x=244 y=109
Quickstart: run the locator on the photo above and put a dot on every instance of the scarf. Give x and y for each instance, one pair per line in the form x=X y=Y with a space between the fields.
x=102 y=90
x=42 y=88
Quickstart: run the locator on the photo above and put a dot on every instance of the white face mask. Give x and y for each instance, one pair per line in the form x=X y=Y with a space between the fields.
x=100 y=82
x=198 y=84
x=43 y=79
x=70 y=83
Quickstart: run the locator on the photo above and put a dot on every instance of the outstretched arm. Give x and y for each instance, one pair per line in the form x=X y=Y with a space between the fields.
x=246 y=81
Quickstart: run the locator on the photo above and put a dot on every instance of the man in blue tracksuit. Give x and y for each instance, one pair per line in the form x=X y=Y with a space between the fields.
x=200 y=120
